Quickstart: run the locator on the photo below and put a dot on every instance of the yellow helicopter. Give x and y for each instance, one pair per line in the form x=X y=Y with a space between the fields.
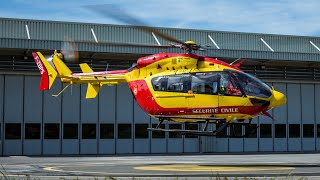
x=180 y=87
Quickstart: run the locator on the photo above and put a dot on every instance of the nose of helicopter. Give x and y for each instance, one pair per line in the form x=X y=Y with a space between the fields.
x=278 y=99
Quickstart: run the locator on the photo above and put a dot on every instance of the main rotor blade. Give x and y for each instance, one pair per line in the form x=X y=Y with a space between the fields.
x=112 y=11
x=124 y=44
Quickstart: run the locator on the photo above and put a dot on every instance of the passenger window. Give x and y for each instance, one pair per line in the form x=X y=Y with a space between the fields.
x=174 y=83
x=204 y=83
x=160 y=83
x=228 y=85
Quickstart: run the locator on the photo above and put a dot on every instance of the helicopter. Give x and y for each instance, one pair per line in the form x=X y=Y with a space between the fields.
x=180 y=87
x=176 y=87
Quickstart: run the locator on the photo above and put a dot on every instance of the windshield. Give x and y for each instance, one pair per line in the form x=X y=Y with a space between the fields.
x=251 y=85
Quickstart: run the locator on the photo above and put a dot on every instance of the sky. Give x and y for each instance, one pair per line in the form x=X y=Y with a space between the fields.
x=288 y=17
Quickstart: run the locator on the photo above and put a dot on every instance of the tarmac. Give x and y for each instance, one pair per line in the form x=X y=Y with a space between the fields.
x=203 y=166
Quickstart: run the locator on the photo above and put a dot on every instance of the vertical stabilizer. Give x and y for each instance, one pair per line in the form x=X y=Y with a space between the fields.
x=48 y=73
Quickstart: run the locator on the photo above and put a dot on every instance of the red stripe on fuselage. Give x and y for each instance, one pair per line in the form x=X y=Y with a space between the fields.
x=102 y=73
x=147 y=102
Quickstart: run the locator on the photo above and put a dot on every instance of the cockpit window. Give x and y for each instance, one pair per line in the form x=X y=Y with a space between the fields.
x=229 y=85
x=251 y=85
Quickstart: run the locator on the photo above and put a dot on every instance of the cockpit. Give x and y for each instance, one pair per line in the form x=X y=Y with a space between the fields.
x=227 y=82
x=251 y=85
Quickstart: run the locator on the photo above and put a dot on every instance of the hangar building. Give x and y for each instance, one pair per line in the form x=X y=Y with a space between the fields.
x=35 y=123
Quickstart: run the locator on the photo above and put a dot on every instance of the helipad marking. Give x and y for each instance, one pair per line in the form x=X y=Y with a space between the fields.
x=212 y=168
x=59 y=169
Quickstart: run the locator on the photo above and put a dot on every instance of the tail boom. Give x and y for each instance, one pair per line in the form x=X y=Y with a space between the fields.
x=94 y=80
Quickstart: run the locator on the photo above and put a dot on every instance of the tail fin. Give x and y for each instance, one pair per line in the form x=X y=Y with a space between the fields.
x=60 y=66
x=48 y=73
x=93 y=90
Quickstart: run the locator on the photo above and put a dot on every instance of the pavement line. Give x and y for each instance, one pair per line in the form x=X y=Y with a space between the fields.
x=58 y=169
x=211 y=168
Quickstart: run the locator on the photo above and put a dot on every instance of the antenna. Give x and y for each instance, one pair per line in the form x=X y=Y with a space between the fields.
x=235 y=61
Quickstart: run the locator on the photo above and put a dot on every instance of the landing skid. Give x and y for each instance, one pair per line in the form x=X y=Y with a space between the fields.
x=192 y=132
x=204 y=132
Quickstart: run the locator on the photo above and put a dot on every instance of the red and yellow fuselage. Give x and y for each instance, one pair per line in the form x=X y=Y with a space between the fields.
x=166 y=103
x=167 y=84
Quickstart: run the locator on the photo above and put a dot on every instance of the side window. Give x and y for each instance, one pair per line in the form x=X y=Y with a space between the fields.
x=228 y=85
x=160 y=83
x=251 y=85
x=204 y=83
x=174 y=83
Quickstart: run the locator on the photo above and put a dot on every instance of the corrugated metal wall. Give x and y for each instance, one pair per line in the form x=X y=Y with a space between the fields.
x=22 y=103
x=49 y=34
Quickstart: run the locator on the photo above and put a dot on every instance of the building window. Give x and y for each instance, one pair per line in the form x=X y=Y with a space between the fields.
x=89 y=131
x=308 y=130
x=175 y=134
x=32 y=131
x=294 y=130
x=280 y=130
x=318 y=130
x=106 y=131
x=236 y=130
x=251 y=131
x=158 y=134
x=51 y=131
x=141 y=131
x=13 y=131
x=265 y=131
x=70 y=131
x=194 y=127
x=223 y=133
x=124 y=131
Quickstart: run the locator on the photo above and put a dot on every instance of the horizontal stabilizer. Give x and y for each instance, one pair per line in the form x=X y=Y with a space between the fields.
x=85 y=68
x=93 y=90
